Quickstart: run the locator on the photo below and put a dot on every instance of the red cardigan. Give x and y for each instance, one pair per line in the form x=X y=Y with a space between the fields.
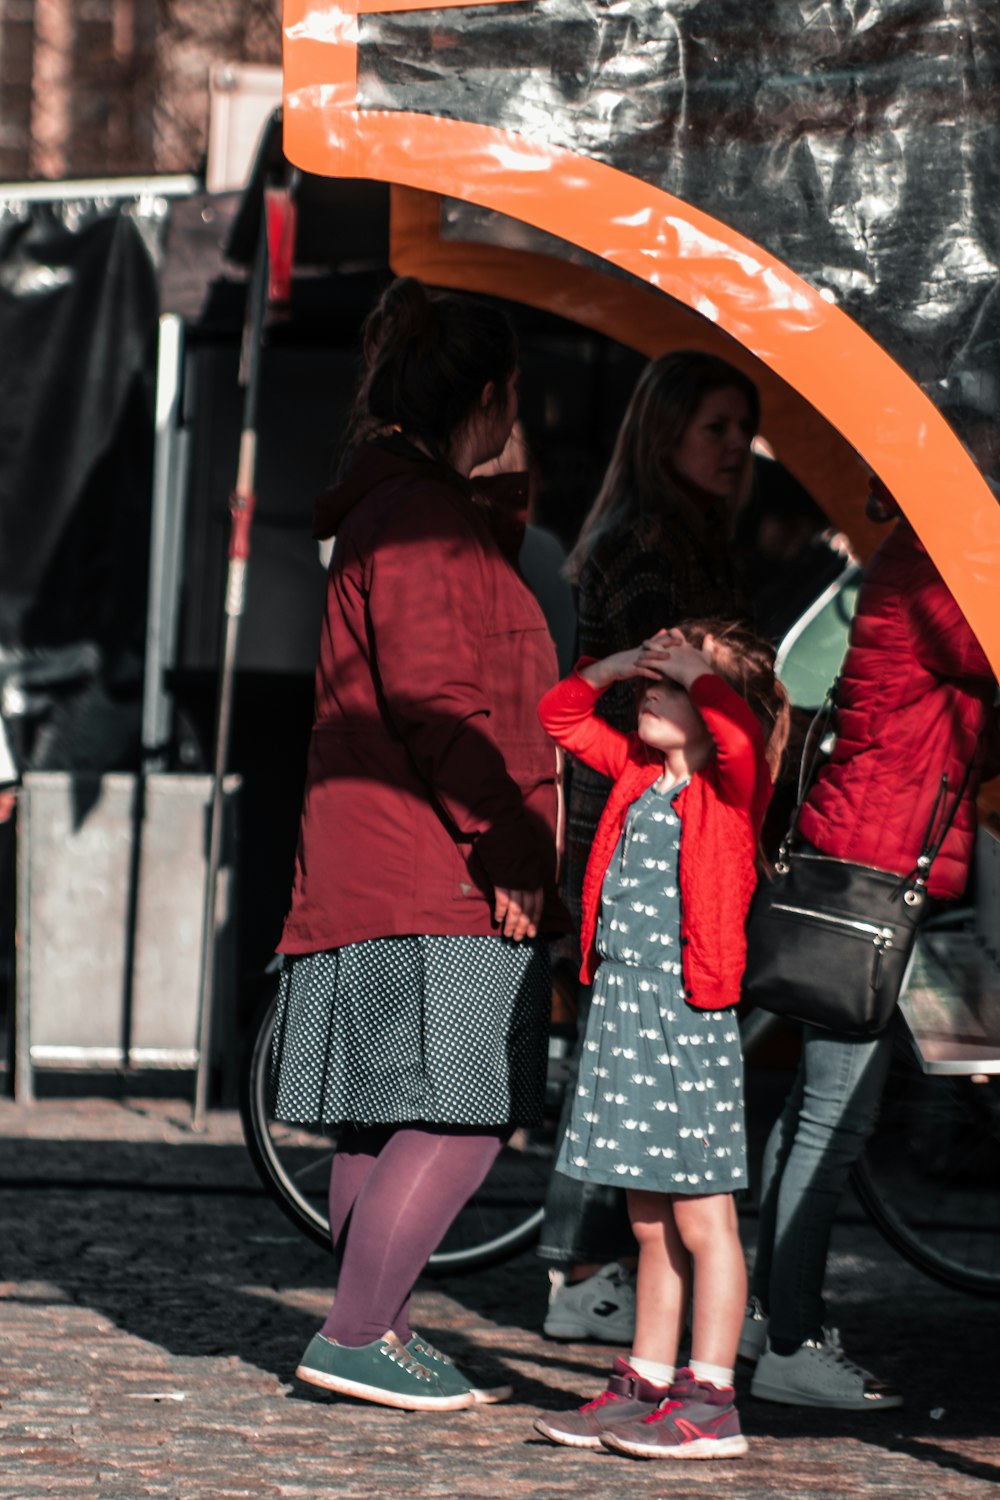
x=721 y=812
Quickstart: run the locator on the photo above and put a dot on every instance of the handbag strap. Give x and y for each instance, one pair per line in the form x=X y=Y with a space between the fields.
x=912 y=885
x=809 y=762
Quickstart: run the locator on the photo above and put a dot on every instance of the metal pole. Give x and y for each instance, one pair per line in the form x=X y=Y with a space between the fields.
x=241 y=506
x=164 y=547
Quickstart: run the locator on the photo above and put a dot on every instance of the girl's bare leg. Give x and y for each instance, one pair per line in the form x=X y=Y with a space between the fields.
x=663 y=1283
x=707 y=1227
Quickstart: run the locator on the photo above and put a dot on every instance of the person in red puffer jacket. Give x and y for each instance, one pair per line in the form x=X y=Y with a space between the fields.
x=658 y=1106
x=914 y=706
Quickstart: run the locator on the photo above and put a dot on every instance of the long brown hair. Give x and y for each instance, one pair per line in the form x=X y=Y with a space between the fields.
x=747 y=664
x=640 y=483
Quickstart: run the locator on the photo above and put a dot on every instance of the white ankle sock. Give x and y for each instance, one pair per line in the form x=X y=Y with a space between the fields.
x=715 y=1374
x=651 y=1371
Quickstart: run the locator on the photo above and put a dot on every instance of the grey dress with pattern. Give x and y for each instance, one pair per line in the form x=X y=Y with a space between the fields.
x=659 y=1100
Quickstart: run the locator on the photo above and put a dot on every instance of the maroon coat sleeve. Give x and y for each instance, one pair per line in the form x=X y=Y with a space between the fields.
x=426 y=614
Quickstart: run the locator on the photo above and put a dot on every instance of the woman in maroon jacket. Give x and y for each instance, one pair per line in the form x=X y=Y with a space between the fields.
x=414 y=996
x=913 y=707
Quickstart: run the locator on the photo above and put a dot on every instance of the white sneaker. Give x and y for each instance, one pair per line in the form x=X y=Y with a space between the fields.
x=601 y=1308
x=753 y=1336
x=819 y=1373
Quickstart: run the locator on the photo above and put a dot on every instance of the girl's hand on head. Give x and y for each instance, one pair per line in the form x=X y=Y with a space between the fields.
x=671 y=656
x=619 y=668
x=518 y=912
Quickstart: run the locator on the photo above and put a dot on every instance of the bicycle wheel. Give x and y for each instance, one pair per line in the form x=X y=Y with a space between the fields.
x=930 y=1175
x=293 y=1163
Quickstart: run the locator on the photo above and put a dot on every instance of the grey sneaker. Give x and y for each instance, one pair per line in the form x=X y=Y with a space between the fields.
x=384 y=1371
x=697 y=1420
x=601 y=1308
x=754 y=1333
x=628 y=1396
x=450 y=1377
x=819 y=1373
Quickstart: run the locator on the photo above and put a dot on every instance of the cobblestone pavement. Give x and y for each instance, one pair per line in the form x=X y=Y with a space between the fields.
x=155 y=1304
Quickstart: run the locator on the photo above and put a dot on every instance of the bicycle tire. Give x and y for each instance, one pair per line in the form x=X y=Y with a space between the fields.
x=293 y=1163
x=931 y=1212
x=929 y=1176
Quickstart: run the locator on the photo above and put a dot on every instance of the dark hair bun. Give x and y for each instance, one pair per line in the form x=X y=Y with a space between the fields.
x=428 y=359
x=404 y=315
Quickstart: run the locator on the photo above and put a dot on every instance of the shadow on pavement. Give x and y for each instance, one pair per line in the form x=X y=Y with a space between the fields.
x=177 y=1246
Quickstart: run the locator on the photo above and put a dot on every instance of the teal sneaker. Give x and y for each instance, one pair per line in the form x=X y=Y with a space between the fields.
x=451 y=1377
x=385 y=1372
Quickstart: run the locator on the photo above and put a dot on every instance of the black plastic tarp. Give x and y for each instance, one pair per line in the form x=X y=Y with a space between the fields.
x=856 y=140
x=78 y=312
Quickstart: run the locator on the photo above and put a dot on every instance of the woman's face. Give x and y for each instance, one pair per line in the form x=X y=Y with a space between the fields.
x=490 y=426
x=714 y=450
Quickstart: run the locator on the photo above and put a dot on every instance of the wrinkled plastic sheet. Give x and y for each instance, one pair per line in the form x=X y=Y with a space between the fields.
x=856 y=140
x=78 y=310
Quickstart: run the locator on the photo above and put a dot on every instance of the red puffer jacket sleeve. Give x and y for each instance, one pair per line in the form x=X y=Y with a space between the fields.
x=941 y=638
x=426 y=600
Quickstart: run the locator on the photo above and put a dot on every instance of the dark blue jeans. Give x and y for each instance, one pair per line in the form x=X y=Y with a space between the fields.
x=584 y=1221
x=819 y=1135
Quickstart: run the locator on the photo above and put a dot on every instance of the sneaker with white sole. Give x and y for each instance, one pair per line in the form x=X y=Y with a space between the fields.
x=753 y=1335
x=600 y=1308
x=697 y=1420
x=384 y=1372
x=819 y=1373
x=628 y=1395
x=450 y=1377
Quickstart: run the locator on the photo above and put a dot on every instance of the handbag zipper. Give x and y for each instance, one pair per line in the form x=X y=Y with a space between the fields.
x=881 y=936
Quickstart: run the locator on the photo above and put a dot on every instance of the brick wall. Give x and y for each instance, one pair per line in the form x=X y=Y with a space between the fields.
x=112 y=87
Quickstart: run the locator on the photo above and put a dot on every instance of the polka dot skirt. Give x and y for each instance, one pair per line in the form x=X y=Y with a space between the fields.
x=447 y=1030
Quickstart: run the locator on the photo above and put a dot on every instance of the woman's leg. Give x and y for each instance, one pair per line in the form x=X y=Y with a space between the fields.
x=709 y=1231
x=407 y=1199
x=842 y=1083
x=663 y=1280
x=776 y=1154
x=358 y=1147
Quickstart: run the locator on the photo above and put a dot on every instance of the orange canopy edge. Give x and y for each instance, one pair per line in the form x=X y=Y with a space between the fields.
x=814 y=349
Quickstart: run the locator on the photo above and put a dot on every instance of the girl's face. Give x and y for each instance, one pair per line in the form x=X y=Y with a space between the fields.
x=668 y=720
x=714 y=450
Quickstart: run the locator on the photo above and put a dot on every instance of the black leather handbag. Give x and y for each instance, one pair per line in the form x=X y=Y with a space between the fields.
x=829 y=942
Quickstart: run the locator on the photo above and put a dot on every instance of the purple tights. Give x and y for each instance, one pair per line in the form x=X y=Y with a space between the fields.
x=394 y=1190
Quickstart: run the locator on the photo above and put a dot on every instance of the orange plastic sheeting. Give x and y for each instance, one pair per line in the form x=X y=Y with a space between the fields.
x=644 y=320
x=747 y=293
x=388 y=7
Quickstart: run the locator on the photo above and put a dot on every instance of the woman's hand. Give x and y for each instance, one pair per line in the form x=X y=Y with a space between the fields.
x=518 y=912
x=668 y=654
x=618 y=668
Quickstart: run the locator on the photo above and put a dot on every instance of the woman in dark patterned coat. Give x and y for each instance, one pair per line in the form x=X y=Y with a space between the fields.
x=654 y=550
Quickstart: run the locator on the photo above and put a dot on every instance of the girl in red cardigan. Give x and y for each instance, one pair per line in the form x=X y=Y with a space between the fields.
x=659 y=1101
